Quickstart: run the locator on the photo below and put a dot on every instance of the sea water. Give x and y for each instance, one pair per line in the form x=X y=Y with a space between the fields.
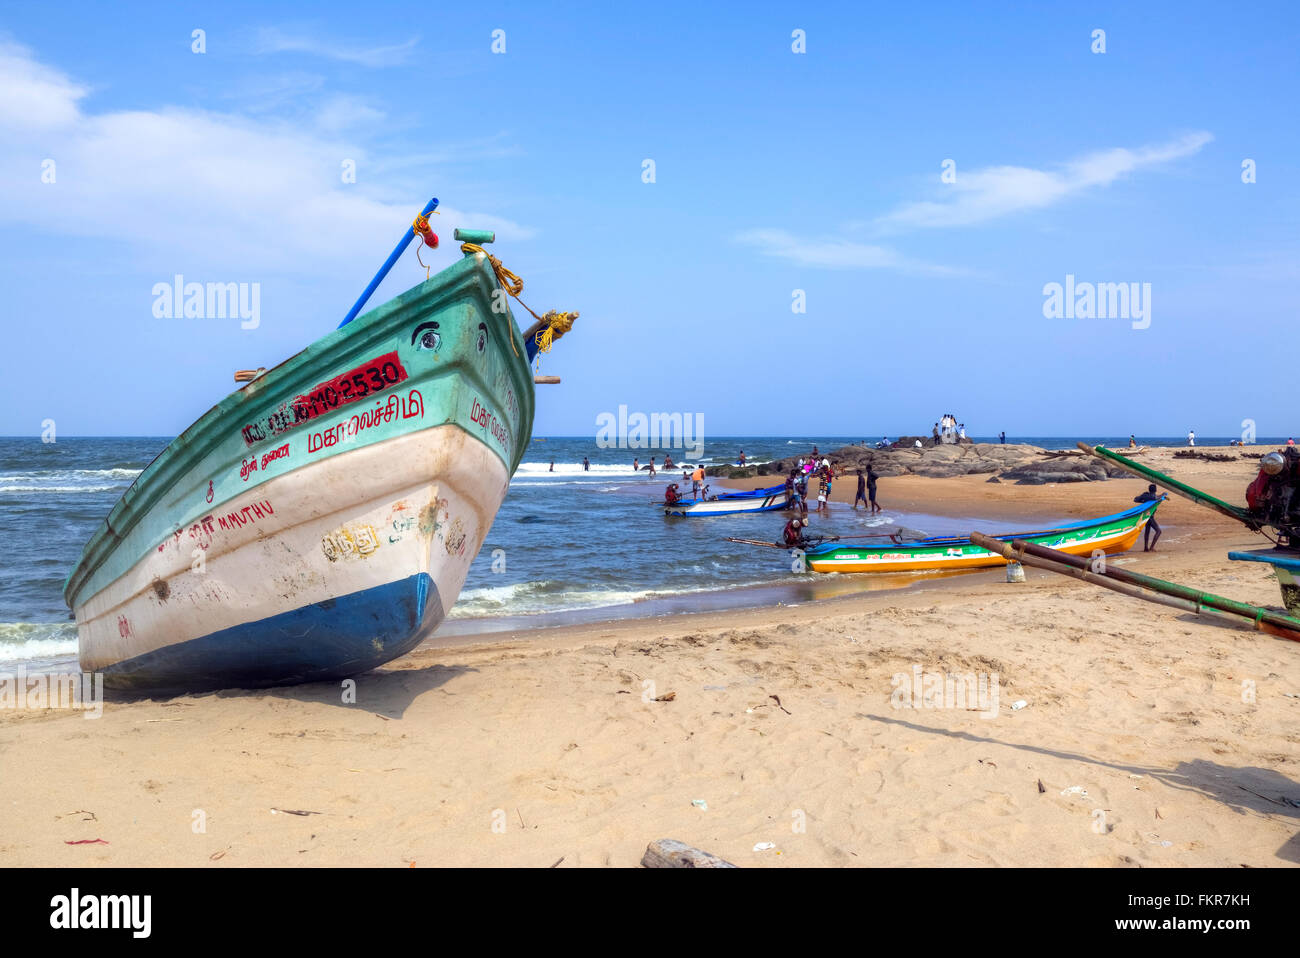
x=567 y=545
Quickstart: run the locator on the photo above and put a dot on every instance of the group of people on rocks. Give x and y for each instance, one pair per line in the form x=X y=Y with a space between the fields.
x=948 y=431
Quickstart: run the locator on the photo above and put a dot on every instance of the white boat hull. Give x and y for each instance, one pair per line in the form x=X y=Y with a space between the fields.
x=697 y=508
x=329 y=570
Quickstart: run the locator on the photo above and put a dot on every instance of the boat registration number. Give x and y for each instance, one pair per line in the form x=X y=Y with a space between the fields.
x=352 y=386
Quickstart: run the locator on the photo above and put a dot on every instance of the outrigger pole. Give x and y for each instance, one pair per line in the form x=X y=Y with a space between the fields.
x=1173 y=485
x=393 y=257
x=1146 y=587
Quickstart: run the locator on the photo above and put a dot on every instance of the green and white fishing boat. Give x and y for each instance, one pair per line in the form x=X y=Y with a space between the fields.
x=321 y=520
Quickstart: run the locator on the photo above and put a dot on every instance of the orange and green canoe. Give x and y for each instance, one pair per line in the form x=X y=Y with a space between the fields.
x=1110 y=534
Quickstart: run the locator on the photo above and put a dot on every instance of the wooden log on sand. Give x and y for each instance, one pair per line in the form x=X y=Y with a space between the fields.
x=670 y=853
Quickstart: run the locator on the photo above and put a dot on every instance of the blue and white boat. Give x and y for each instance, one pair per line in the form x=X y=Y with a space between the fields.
x=755 y=500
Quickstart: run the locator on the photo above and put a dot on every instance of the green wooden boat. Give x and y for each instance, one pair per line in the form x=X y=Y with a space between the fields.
x=1110 y=534
x=320 y=520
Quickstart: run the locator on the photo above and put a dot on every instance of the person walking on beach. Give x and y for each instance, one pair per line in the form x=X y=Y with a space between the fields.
x=801 y=486
x=742 y=457
x=1132 y=441
x=586 y=464
x=1002 y=438
x=935 y=432
x=862 y=491
x=791 y=492
x=1191 y=437
x=697 y=480
x=871 y=489
x=1150 y=495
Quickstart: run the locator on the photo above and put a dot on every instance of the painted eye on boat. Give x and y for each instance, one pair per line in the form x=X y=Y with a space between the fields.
x=482 y=337
x=426 y=336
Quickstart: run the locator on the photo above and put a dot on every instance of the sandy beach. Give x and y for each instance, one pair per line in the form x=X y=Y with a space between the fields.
x=1149 y=737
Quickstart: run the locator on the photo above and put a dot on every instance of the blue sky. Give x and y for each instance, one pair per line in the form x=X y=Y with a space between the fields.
x=774 y=172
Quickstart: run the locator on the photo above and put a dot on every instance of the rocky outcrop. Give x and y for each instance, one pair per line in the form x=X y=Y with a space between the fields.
x=1027 y=465
x=1069 y=469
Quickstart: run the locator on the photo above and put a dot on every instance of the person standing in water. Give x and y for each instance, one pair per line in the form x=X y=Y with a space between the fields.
x=552 y=469
x=862 y=491
x=742 y=457
x=636 y=465
x=586 y=464
x=871 y=489
x=1150 y=495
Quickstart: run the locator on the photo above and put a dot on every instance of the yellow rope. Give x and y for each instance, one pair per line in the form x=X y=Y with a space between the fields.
x=556 y=323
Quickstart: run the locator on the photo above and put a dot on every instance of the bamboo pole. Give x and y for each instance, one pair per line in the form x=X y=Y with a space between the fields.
x=1173 y=485
x=1144 y=587
x=1168 y=588
x=756 y=542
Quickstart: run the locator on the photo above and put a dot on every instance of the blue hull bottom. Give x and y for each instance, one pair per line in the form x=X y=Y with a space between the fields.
x=326 y=640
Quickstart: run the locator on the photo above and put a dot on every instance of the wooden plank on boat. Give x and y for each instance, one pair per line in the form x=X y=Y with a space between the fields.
x=546 y=380
x=670 y=853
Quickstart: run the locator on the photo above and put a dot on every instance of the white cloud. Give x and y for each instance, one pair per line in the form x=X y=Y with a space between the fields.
x=34 y=97
x=823 y=254
x=190 y=186
x=984 y=194
x=340 y=113
x=272 y=40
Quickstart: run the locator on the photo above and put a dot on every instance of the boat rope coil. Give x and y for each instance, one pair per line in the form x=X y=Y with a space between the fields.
x=557 y=324
x=554 y=324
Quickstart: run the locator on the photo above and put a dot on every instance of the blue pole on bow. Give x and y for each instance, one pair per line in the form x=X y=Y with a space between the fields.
x=388 y=264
